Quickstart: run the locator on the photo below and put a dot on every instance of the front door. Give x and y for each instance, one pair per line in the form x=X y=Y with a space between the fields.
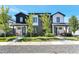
x=23 y=30
x=55 y=30
x=19 y=31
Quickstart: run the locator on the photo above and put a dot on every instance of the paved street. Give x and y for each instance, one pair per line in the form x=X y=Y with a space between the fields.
x=39 y=49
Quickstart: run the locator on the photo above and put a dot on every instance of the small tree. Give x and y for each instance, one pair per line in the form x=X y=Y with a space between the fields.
x=4 y=18
x=45 y=18
x=29 y=22
x=73 y=23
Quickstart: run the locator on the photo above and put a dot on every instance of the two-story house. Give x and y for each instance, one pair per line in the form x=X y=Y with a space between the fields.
x=58 y=25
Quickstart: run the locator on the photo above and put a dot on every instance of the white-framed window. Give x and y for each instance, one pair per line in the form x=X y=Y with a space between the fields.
x=21 y=19
x=58 y=19
x=35 y=20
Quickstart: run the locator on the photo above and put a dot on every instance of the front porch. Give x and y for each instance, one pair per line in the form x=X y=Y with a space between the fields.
x=20 y=29
x=57 y=29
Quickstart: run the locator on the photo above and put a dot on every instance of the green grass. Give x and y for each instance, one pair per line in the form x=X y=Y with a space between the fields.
x=3 y=39
x=39 y=39
x=72 y=38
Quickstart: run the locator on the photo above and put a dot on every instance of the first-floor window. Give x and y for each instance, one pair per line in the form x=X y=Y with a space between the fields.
x=35 y=29
x=18 y=28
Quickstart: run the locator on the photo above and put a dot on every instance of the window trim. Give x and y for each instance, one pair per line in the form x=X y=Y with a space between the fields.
x=35 y=23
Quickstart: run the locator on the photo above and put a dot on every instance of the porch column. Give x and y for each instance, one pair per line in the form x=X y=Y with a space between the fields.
x=53 y=29
x=65 y=29
x=13 y=30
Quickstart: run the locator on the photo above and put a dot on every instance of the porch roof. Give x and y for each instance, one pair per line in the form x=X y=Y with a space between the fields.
x=59 y=24
x=18 y=24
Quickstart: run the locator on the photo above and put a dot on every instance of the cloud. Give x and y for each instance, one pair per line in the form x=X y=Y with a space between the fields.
x=13 y=10
x=17 y=10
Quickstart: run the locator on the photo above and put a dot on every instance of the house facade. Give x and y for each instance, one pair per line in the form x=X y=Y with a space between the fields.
x=57 y=26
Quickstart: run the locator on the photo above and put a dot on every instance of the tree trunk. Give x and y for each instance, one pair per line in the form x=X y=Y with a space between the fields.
x=30 y=34
x=5 y=35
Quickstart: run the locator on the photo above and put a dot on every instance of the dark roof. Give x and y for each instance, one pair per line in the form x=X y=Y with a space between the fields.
x=20 y=13
x=38 y=13
x=59 y=13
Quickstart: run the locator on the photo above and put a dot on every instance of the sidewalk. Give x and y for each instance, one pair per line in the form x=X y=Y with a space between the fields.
x=63 y=42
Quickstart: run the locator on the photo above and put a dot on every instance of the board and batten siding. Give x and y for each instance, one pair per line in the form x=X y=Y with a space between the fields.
x=55 y=17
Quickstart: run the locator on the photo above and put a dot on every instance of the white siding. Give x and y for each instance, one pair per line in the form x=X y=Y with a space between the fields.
x=58 y=15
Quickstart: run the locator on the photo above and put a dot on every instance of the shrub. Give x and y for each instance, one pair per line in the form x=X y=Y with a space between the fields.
x=10 y=39
x=35 y=34
x=49 y=35
x=66 y=34
x=26 y=39
x=2 y=35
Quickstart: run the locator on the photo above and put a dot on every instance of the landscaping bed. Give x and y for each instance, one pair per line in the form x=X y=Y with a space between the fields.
x=72 y=38
x=38 y=39
x=6 y=39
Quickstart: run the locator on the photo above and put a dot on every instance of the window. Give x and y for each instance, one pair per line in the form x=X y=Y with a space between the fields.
x=34 y=19
x=35 y=29
x=21 y=19
x=18 y=28
x=60 y=28
x=58 y=19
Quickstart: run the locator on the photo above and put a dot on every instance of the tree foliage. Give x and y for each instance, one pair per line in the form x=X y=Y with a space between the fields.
x=29 y=22
x=4 y=18
x=73 y=23
x=45 y=18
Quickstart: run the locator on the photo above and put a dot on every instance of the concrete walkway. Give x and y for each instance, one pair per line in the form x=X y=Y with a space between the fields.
x=61 y=42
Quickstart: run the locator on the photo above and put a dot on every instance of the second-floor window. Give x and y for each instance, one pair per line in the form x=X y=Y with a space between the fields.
x=21 y=19
x=34 y=19
x=58 y=19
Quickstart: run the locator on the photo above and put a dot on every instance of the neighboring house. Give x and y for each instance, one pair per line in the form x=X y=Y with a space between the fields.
x=58 y=25
x=10 y=22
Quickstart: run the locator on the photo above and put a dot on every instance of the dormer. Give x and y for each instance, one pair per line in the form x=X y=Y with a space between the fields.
x=20 y=17
x=58 y=17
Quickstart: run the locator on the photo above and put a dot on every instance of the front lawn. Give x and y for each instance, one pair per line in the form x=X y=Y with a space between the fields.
x=39 y=39
x=3 y=39
x=72 y=38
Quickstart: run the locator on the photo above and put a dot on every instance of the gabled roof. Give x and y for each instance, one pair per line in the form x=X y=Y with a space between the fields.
x=59 y=13
x=20 y=13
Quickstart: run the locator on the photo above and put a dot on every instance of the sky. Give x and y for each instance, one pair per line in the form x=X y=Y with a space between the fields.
x=68 y=10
